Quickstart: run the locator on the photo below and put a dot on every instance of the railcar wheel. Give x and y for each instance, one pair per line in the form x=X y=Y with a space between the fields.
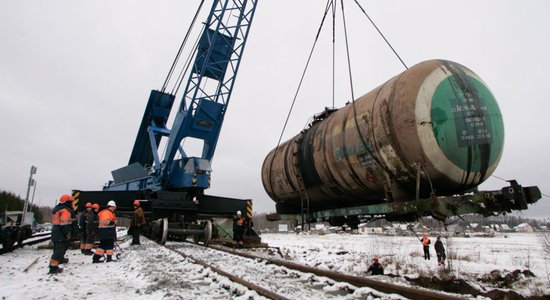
x=164 y=231
x=207 y=233
x=7 y=244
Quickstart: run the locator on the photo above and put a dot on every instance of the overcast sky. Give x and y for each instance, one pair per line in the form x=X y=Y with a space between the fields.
x=75 y=77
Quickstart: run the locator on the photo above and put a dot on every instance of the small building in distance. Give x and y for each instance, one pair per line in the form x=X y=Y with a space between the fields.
x=524 y=227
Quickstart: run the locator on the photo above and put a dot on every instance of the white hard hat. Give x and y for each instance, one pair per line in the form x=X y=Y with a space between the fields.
x=111 y=203
x=238 y=212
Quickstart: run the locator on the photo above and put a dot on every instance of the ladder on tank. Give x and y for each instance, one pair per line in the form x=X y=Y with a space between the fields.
x=301 y=188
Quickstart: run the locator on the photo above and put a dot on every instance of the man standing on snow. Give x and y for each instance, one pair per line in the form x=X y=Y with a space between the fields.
x=82 y=221
x=64 y=228
x=426 y=245
x=138 y=221
x=238 y=230
x=92 y=223
x=107 y=233
x=440 y=251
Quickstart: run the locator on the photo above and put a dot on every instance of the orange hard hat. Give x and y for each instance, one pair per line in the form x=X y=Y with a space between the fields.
x=65 y=198
x=136 y=203
x=95 y=206
x=88 y=204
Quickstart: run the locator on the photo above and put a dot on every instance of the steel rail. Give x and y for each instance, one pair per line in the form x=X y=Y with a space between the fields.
x=260 y=290
x=408 y=292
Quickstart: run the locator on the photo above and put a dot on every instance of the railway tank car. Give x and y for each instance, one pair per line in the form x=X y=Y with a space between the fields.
x=433 y=130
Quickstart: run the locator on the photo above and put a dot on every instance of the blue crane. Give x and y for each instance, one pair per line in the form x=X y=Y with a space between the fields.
x=171 y=184
x=212 y=75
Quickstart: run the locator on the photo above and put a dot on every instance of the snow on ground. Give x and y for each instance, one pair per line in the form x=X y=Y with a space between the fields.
x=149 y=271
x=471 y=259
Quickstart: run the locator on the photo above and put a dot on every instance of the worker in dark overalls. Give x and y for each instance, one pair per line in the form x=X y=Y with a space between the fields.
x=92 y=224
x=82 y=221
x=63 y=230
x=137 y=223
x=238 y=230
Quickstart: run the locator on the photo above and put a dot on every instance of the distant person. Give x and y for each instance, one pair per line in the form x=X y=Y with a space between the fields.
x=375 y=268
x=137 y=223
x=426 y=245
x=107 y=233
x=440 y=251
x=82 y=221
x=92 y=224
x=238 y=230
x=63 y=230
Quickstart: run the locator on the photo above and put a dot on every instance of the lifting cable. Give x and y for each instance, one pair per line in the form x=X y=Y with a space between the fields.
x=493 y=175
x=382 y=35
x=184 y=70
x=333 y=54
x=363 y=139
x=176 y=59
x=329 y=4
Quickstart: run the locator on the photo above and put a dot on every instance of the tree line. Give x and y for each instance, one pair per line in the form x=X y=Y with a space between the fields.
x=261 y=223
x=11 y=202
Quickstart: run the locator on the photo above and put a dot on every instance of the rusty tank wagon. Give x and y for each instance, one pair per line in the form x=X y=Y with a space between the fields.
x=414 y=146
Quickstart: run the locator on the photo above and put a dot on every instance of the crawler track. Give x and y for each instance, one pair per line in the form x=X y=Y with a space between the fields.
x=279 y=279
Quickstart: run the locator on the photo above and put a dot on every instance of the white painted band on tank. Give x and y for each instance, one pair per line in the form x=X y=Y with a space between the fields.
x=426 y=134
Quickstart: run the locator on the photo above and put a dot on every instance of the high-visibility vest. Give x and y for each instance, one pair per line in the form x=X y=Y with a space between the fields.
x=107 y=219
x=62 y=217
x=426 y=242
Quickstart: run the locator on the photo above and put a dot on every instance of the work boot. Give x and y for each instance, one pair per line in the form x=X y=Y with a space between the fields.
x=55 y=270
x=110 y=258
x=88 y=252
x=96 y=259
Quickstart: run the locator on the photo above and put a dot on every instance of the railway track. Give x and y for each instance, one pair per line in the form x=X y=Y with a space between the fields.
x=280 y=279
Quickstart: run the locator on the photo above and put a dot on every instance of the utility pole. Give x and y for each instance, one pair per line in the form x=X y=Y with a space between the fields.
x=31 y=183
x=35 y=182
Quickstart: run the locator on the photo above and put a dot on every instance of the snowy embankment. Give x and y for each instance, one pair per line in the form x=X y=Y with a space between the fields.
x=478 y=260
x=147 y=271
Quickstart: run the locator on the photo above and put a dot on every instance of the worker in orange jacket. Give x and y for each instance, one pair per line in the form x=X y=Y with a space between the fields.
x=64 y=229
x=426 y=245
x=106 y=233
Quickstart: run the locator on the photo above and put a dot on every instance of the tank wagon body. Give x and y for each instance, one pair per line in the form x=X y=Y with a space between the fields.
x=435 y=129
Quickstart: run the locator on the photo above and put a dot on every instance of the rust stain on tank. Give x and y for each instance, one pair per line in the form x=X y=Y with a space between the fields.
x=371 y=150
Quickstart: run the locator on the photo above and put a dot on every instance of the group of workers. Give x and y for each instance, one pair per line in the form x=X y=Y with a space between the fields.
x=439 y=249
x=91 y=223
x=376 y=267
x=102 y=224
